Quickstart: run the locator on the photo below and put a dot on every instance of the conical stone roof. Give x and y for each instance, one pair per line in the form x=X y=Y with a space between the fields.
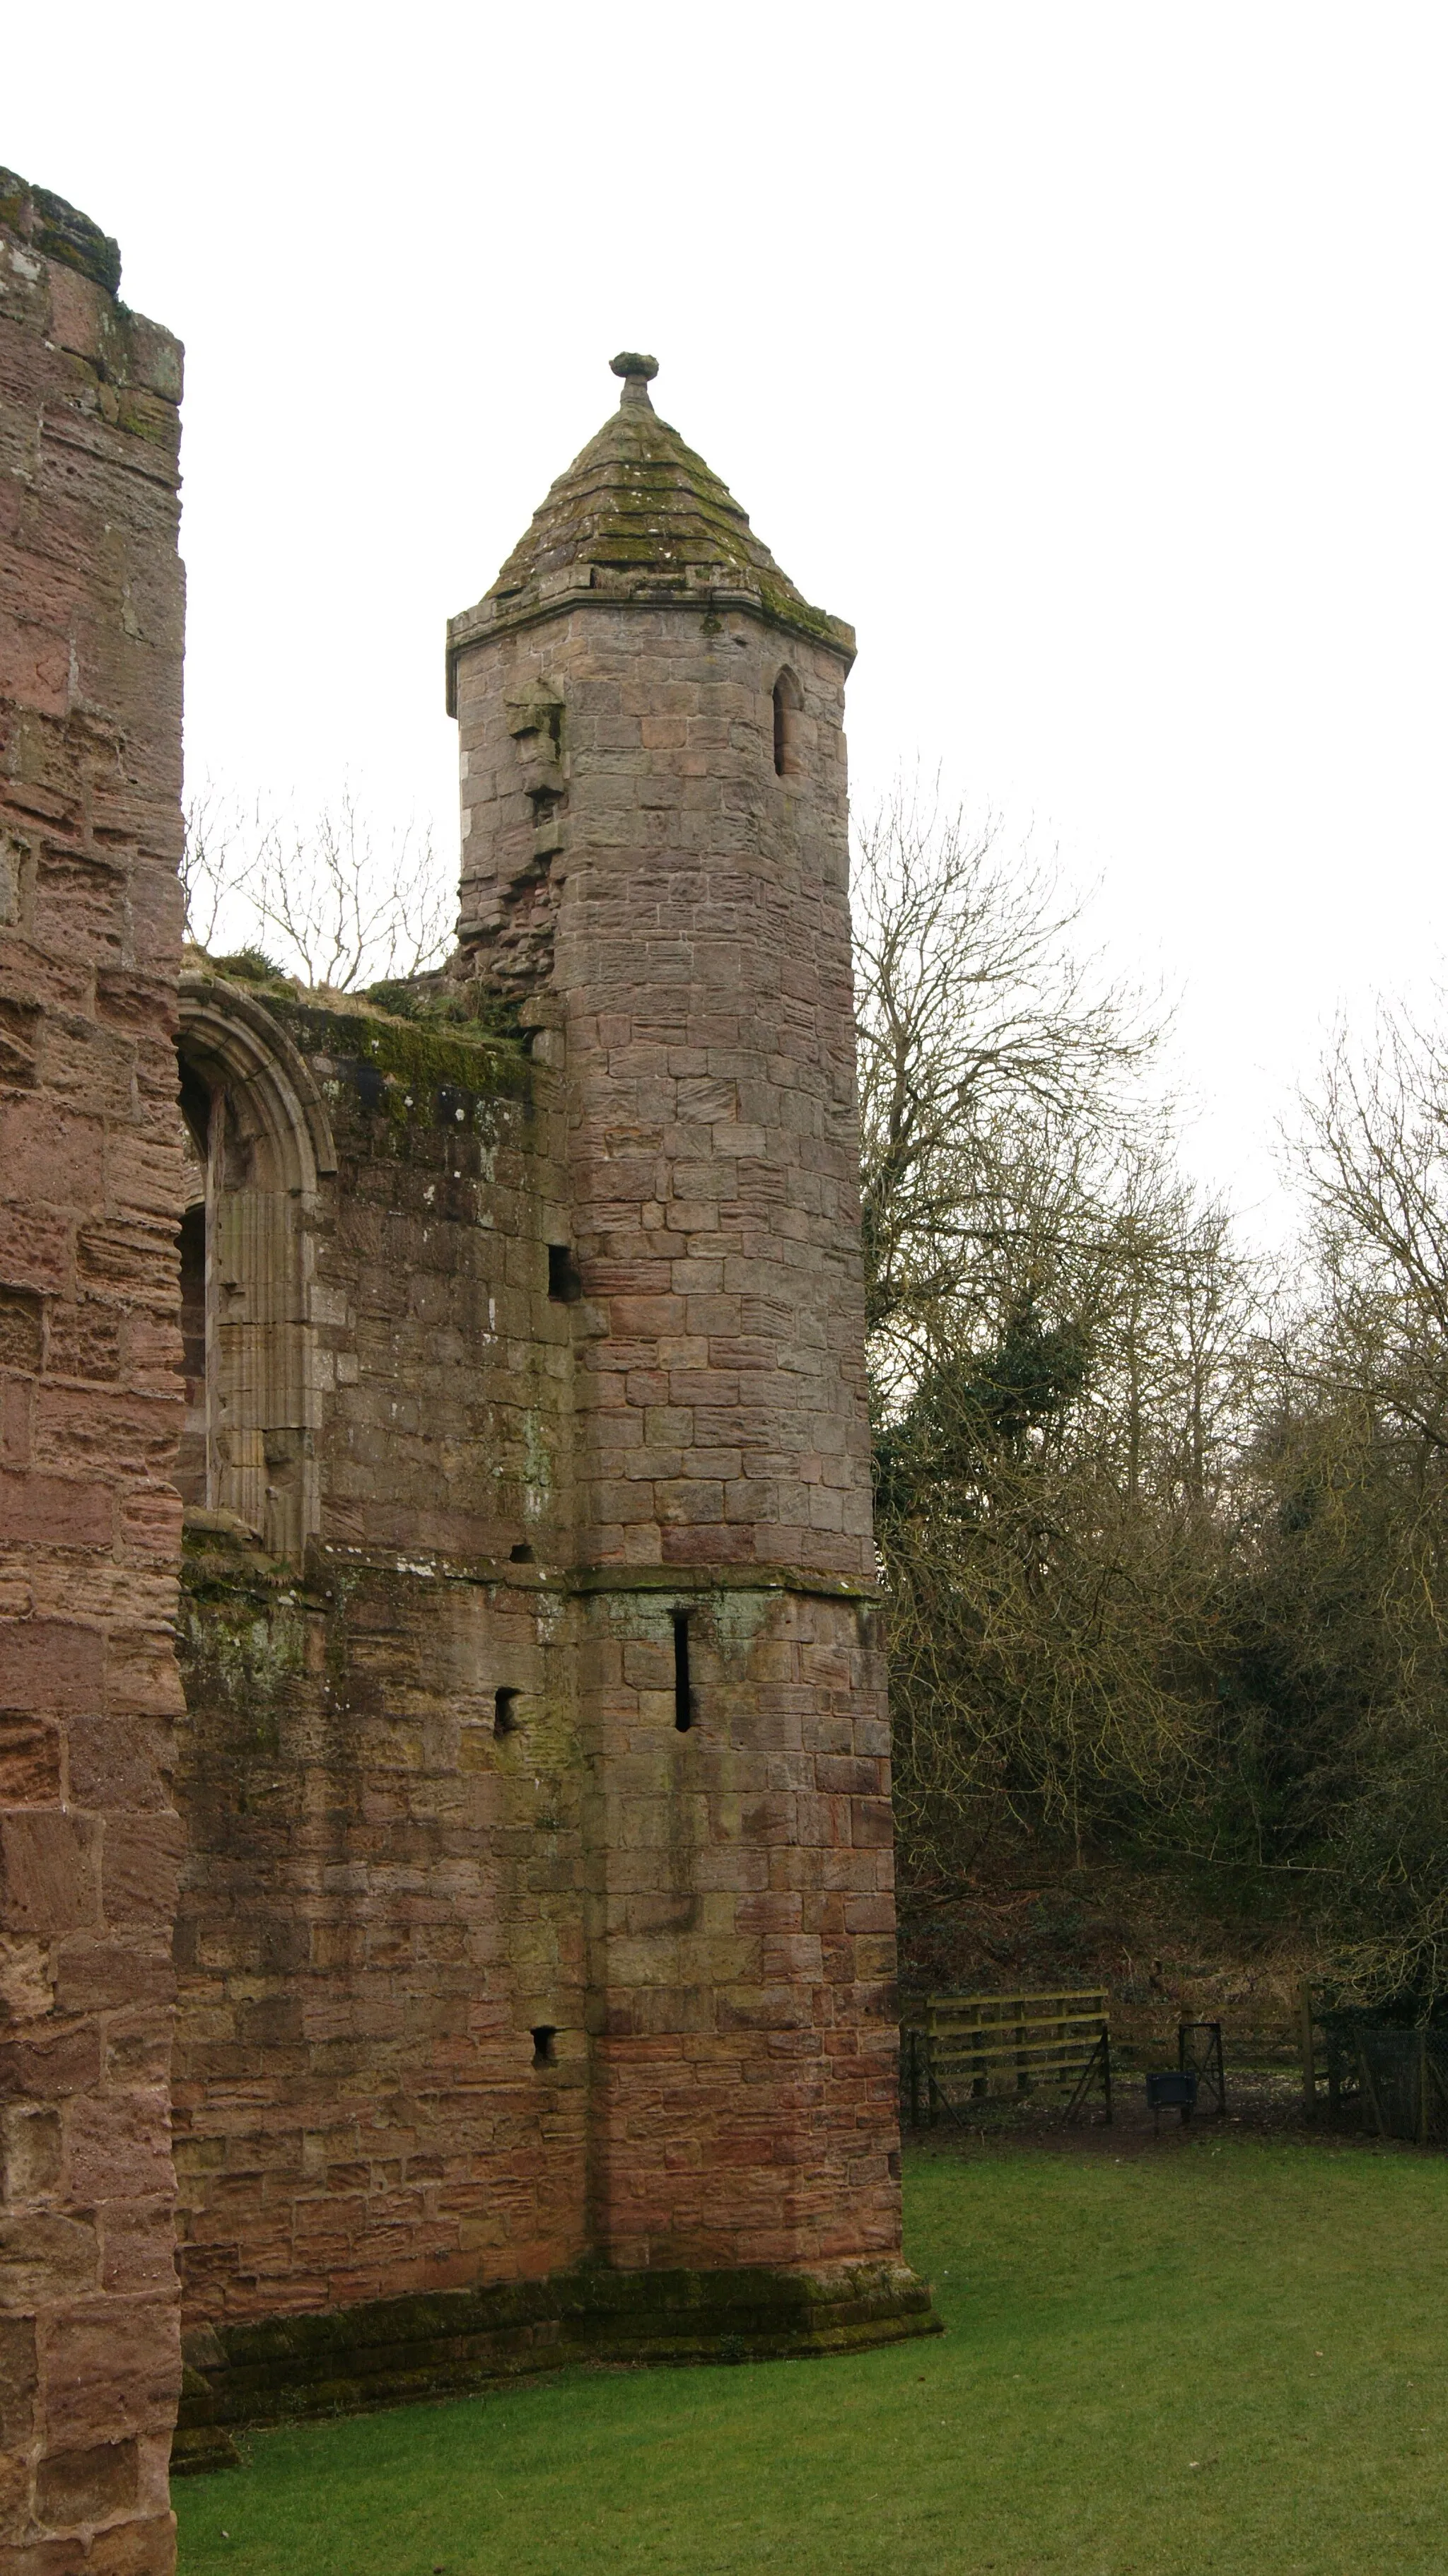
x=639 y=516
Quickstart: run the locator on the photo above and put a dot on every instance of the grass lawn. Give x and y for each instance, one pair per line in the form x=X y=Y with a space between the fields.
x=1229 y=2353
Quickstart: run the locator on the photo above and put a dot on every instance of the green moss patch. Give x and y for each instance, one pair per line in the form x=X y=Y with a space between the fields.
x=1225 y=2354
x=392 y=2350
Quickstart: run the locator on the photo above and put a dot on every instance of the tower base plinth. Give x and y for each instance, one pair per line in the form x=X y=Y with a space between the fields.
x=399 y=2352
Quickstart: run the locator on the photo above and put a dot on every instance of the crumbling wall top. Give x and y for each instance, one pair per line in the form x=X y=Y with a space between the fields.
x=59 y=281
x=59 y=231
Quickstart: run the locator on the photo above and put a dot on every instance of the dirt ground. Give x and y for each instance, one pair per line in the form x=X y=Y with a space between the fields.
x=1261 y=2101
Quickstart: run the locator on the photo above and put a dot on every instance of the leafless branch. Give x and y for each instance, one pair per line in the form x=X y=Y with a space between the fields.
x=327 y=899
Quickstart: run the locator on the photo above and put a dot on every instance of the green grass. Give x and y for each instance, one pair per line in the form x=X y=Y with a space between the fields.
x=1233 y=2355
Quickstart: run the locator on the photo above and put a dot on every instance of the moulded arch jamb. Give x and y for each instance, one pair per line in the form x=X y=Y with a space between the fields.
x=263 y=1395
x=234 y=1038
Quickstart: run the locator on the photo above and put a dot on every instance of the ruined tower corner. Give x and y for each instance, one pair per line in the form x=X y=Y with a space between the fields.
x=90 y=1192
x=653 y=780
x=539 y=1900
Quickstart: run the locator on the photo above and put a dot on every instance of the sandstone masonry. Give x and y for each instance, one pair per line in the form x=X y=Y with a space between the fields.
x=90 y=1190
x=536 y=1940
x=534 y=1933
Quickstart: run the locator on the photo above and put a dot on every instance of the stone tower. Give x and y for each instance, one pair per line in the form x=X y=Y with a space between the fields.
x=90 y=1539
x=533 y=1942
x=527 y=1888
x=655 y=871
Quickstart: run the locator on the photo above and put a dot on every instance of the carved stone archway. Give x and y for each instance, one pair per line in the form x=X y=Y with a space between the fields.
x=263 y=1133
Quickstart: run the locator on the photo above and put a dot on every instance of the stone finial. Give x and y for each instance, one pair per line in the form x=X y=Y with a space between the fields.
x=637 y=372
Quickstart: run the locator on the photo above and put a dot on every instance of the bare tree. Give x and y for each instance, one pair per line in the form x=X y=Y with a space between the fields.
x=1056 y=1516
x=1342 y=1601
x=1373 y=1156
x=1166 y=1547
x=325 y=899
x=213 y=866
x=1057 y=1331
x=976 y=1022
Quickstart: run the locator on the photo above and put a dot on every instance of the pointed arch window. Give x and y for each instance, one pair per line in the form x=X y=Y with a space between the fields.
x=258 y=1145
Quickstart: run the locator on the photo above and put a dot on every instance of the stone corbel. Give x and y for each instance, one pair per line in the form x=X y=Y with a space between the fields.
x=536 y=725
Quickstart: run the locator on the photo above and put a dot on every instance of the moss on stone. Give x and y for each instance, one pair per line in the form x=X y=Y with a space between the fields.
x=392 y=2352
x=413 y=1061
x=250 y=966
x=242 y=1641
x=420 y=1060
x=414 y=1066
x=476 y=1012
x=59 y=230
x=639 y=502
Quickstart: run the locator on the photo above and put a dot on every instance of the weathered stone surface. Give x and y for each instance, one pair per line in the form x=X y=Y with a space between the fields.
x=504 y=1941
x=90 y=758
x=382 y=1899
x=639 y=513
x=534 y=1944
x=391 y=2352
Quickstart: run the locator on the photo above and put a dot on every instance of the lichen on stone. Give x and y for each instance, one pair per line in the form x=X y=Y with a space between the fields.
x=412 y=1065
x=639 y=505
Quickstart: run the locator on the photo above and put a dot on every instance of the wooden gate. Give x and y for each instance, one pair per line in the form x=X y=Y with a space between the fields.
x=964 y=2049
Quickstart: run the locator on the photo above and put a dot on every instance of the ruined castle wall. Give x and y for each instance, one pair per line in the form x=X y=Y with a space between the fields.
x=445 y=1364
x=639 y=852
x=382 y=1898
x=90 y=829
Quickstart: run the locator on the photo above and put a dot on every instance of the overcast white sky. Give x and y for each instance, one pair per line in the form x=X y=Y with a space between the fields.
x=1089 y=359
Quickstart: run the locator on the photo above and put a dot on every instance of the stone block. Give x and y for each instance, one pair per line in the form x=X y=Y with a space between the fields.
x=118 y=1762
x=86 y=1342
x=29 y=1764
x=79 y=1429
x=141 y=1674
x=86 y=2485
x=50 y=1155
x=44 y=2257
x=871 y=1824
x=30 y=2154
x=48 y=1863
x=141 y=1859
x=104 y=1976
x=144 y=2547
x=52 y=1666
x=90 y=2402
x=22 y=1329
x=18 y=2378
x=118 y=2145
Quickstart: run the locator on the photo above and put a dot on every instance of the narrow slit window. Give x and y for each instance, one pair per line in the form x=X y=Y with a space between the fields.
x=543 y=2037
x=683 y=1693
x=787 y=702
x=506 y=1720
x=563 y=1279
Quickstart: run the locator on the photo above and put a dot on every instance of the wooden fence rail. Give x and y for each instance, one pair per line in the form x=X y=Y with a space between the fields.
x=961 y=2049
